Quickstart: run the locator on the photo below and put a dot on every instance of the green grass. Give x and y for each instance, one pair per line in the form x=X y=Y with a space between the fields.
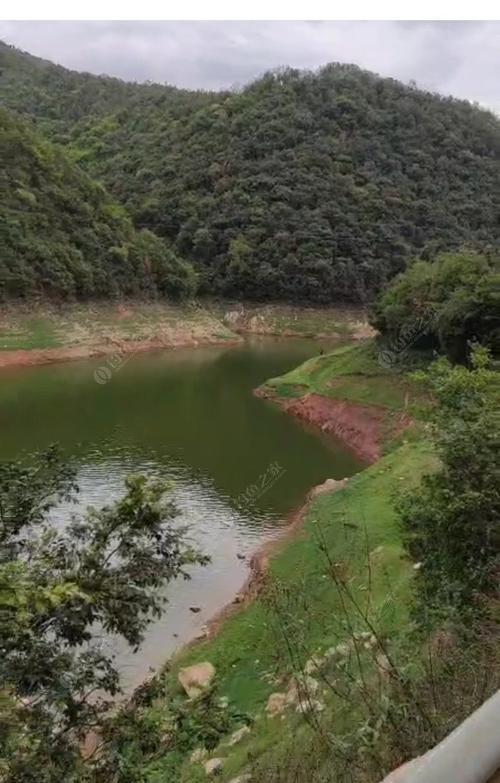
x=351 y=372
x=29 y=334
x=359 y=528
x=302 y=611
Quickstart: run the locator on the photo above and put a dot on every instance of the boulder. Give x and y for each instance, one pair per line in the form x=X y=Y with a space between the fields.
x=232 y=317
x=342 y=650
x=213 y=766
x=195 y=679
x=238 y=735
x=383 y=665
x=198 y=755
x=330 y=485
x=313 y=664
x=310 y=705
x=276 y=704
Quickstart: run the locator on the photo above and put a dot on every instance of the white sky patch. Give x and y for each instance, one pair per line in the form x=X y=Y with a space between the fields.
x=457 y=58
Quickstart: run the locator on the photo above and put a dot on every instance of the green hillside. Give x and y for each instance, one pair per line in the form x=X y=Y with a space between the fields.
x=62 y=236
x=302 y=186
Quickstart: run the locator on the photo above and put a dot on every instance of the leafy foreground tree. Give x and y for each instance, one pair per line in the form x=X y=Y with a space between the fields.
x=58 y=585
x=453 y=518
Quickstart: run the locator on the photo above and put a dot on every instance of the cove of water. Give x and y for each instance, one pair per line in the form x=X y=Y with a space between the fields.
x=238 y=463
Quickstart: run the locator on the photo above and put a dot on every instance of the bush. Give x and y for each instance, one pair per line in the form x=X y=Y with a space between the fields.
x=444 y=304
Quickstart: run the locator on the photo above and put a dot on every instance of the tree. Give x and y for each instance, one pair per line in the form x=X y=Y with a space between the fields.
x=444 y=304
x=452 y=520
x=57 y=585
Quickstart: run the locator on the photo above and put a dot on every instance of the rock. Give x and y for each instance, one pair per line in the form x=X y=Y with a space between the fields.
x=194 y=679
x=364 y=636
x=198 y=755
x=245 y=778
x=224 y=702
x=202 y=633
x=232 y=317
x=330 y=485
x=213 y=766
x=276 y=704
x=310 y=705
x=383 y=664
x=238 y=598
x=310 y=684
x=195 y=609
x=240 y=556
x=342 y=650
x=238 y=735
x=313 y=664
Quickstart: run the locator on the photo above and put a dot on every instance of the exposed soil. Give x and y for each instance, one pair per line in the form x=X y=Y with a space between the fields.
x=298 y=321
x=362 y=428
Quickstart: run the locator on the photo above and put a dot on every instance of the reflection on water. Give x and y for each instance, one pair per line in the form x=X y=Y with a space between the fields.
x=238 y=464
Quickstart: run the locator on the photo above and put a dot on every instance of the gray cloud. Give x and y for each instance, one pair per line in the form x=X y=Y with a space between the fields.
x=453 y=58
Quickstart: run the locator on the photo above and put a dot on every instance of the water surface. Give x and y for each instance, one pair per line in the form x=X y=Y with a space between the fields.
x=238 y=463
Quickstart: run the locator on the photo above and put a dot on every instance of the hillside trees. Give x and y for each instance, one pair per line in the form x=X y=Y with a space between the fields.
x=63 y=237
x=444 y=304
x=333 y=180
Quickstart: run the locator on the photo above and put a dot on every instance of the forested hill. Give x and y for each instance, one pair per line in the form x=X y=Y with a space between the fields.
x=306 y=186
x=62 y=236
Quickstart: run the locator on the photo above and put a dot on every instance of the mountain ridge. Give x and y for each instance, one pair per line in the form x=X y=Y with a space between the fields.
x=301 y=186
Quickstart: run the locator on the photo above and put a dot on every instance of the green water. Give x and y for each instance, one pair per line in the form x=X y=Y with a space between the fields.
x=239 y=464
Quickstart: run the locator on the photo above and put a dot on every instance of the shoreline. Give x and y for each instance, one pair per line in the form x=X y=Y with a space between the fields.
x=259 y=563
x=46 y=334
x=27 y=357
x=359 y=427
x=361 y=432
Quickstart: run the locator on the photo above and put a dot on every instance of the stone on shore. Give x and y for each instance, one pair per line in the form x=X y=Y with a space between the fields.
x=238 y=735
x=195 y=679
x=213 y=766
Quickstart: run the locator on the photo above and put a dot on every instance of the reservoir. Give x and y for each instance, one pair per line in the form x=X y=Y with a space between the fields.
x=238 y=464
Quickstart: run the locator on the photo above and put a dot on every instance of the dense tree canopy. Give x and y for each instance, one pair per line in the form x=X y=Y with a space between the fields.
x=447 y=304
x=61 y=235
x=305 y=186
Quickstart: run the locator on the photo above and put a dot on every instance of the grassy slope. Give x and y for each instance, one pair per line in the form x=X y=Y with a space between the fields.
x=358 y=527
x=349 y=372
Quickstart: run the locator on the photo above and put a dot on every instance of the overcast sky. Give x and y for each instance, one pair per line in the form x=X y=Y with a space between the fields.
x=453 y=58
